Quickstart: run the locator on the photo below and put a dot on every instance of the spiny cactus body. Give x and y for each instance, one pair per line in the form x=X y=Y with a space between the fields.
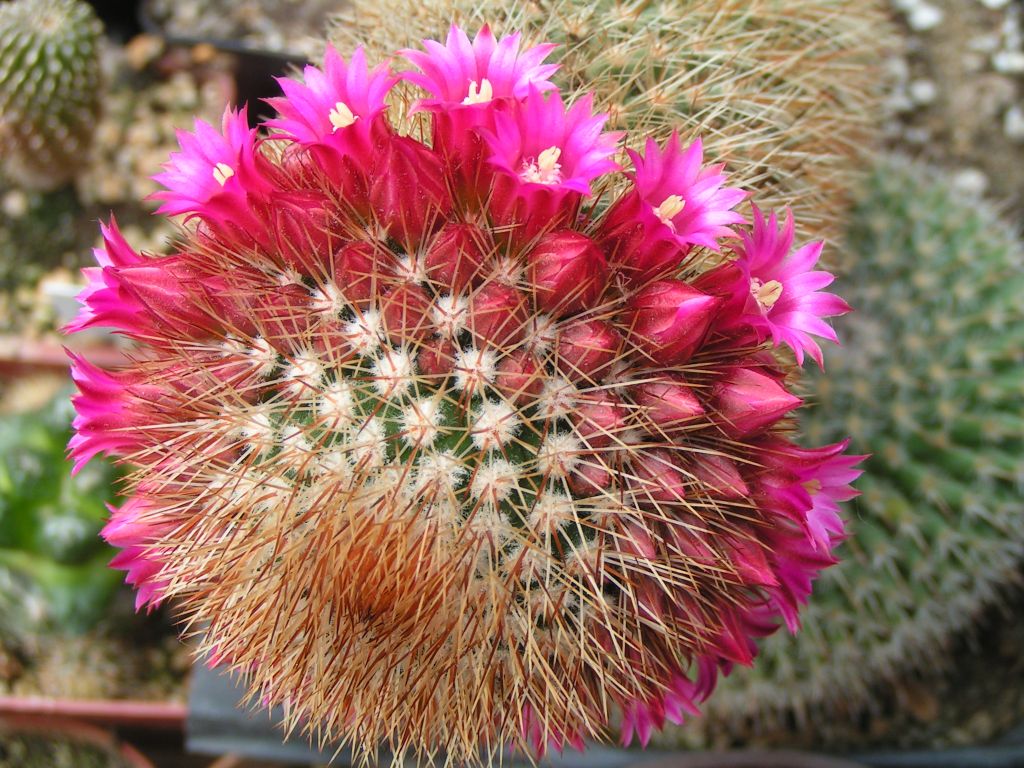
x=929 y=381
x=786 y=93
x=49 y=89
x=440 y=452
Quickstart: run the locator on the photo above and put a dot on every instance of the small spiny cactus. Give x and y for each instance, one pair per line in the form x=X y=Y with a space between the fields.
x=468 y=441
x=49 y=89
x=930 y=382
x=786 y=93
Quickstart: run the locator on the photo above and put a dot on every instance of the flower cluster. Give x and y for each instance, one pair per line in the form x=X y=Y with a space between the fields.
x=443 y=454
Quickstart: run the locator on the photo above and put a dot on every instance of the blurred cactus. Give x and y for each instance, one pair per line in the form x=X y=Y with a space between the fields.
x=785 y=92
x=49 y=89
x=929 y=381
x=53 y=570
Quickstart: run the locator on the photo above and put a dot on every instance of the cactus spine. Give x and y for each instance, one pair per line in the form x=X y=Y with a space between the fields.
x=49 y=89
x=781 y=91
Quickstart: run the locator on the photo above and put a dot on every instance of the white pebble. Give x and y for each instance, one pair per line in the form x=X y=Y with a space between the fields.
x=923 y=91
x=1013 y=123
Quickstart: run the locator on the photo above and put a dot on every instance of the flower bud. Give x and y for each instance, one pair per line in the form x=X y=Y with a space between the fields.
x=456 y=256
x=586 y=349
x=436 y=358
x=520 y=378
x=407 y=194
x=589 y=478
x=669 y=320
x=359 y=272
x=600 y=421
x=750 y=401
x=568 y=272
x=750 y=561
x=405 y=312
x=720 y=476
x=497 y=315
x=656 y=476
x=666 y=403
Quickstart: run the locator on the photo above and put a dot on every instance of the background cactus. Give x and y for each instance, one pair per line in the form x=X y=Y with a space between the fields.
x=929 y=381
x=784 y=92
x=51 y=559
x=49 y=89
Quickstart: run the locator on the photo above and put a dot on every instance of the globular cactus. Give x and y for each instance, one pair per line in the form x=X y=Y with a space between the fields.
x=929 y=380
x=49 y=89
x=786 y=93
x=52 y=564
x=444 y=449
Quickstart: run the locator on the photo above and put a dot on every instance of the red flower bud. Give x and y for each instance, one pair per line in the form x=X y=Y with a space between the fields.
x=405 y=313
x=437 y=358
x=407 y=194
x=520 y=377
x=750 y=401
x=284 y=315
x=586 y=349
x=669 y=320
x=589 y=478
x=666 y=403
x=599 y=421
x=750 y=562
x=457 y=256
x=359 y=272
x=656 y=476
x=568 y=272
x=720 y=476
x=497 y=315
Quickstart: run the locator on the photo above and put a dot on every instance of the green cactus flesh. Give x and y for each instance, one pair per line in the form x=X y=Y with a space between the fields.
x=53 y=566
x=49 y=89
x=929 y=380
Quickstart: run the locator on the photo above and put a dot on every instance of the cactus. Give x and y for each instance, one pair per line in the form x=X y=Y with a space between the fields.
x=49 y=89
x=52 y=564
x=784 y=92
x=929 y=381
x=521 y=459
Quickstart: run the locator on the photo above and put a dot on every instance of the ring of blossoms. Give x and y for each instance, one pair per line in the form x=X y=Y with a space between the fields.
x=449 y=432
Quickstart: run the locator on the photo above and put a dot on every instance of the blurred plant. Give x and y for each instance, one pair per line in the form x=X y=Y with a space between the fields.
x=521 y=460
x=49 y=89
x=786 y=93
x=929 y=381
x=53 y=565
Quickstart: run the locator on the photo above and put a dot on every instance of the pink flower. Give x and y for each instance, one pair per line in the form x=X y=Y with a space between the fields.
x=467 y=74
x=676 y=204
x=781 y=295
x=337 y=107
x=668 y=320
x=568 y=272
x=546 y=157
x=217 y=175
x=129 y=530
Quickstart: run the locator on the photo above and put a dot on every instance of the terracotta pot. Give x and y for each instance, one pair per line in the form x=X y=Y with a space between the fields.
x=74 y=732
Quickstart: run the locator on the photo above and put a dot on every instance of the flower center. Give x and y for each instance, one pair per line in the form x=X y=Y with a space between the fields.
x=479 y=93
x=341 y=116
x=222 y=172
x=670 y=208
x=545 y=169
x=766 y=294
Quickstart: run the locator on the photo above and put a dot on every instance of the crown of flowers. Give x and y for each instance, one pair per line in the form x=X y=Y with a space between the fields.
x=444 y=452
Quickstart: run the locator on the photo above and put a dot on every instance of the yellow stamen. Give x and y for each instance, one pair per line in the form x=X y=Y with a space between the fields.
x=222 y=172
x=812 y=486
x=669 y=209
x=545 y=169
x=479 y=93
x=766 y=294
x=341 y=116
